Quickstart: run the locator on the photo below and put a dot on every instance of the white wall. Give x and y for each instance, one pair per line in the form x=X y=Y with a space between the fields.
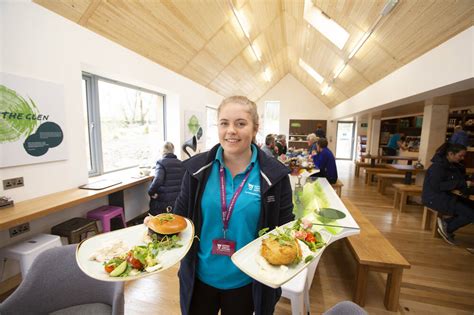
x=296 y=102
x=42 y=45
x=446 y=64
x=39 y=44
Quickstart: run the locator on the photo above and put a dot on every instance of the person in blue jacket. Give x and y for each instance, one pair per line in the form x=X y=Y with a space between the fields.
x=447 y=173
x=166 y=185
x=459 y=136
x=325 y=161
x=230 y=193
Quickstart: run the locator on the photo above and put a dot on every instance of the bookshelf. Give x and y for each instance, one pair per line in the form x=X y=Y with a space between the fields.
x=300 y=129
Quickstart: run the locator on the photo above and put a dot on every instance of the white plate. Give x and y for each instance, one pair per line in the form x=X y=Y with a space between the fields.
x=249 y=260
x=131 y=236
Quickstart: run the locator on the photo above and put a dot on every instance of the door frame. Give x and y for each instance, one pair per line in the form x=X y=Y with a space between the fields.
x=352 y=142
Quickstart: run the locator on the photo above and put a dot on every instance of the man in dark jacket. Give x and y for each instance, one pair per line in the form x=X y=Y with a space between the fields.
x=165 y=187
x=325 y=161
x=276 y=210
x=442 y=177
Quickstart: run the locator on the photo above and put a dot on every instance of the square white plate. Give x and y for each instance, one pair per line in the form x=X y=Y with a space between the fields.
x=250 y=261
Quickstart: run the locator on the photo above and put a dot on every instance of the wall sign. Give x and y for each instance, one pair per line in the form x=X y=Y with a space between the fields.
x=31 y=121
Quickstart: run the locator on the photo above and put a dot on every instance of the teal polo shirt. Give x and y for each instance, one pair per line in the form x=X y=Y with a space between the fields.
x=216 y=270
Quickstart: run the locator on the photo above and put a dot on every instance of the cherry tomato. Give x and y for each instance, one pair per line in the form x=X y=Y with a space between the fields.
x=135 y=263
x=310 y=238
x=109 y=268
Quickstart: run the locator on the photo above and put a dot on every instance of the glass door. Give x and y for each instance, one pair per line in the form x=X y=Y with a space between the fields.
x=345 y=140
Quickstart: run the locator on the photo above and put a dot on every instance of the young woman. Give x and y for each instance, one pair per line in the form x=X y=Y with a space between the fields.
x=230 y=193
x=442 y=177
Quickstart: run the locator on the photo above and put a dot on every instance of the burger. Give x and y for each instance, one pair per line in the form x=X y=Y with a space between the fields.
x=165 y=224
x=281 y=249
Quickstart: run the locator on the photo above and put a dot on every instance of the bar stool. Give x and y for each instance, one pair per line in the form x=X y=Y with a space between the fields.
x=74 y=229
x=26 y=251
x=105 y=214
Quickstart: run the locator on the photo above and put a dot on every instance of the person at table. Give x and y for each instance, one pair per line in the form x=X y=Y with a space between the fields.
x=459 y=136
x=257 y=194
x=320 y=133
x=281 y=144
x=165 y=187
x=447 y=173
x=396 y=142
x=311 y=138
x=325 y=161
x=269 y=147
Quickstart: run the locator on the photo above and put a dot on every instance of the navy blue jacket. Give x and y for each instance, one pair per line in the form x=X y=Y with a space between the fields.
x=442 y=177
x=167 y=183
x=276 y=210
x=326 y=163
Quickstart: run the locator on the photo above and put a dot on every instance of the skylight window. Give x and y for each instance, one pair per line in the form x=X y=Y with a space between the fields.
x=325 y=25
x=311 y=71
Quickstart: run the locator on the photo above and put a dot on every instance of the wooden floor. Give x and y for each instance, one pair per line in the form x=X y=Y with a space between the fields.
x=440 y=281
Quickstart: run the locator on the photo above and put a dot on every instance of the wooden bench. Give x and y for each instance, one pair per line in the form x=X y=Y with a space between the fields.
x=429 y=221
x=358 y=165
x=338 y=187
x=374 y=252
x=370 y=172
x=402 y=192
x=385 y=179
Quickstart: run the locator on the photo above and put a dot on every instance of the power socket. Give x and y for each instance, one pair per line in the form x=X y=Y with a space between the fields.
x=19 y=229
x=13 y=183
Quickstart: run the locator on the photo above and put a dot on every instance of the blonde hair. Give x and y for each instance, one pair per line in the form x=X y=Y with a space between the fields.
x=168 y=147
x=312 y=137
x=242 y=100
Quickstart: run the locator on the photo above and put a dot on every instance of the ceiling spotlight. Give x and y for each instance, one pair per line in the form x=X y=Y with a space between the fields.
x=326 y=90
x=256 y=51
x=244 y=24
x=267 y=74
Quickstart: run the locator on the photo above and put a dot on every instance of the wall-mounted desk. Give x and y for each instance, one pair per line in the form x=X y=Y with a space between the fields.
x=36 y=208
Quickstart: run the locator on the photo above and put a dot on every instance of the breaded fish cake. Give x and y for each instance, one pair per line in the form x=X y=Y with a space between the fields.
x=277 y=253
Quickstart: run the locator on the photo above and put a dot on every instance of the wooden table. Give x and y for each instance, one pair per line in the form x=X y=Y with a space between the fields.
x=374 y=158
x=25 y=211
x=408 y=170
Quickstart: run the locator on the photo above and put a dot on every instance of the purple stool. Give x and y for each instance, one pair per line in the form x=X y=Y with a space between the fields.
x=105 y=215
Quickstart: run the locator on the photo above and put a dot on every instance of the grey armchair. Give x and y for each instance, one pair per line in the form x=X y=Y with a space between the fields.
x=56 y=285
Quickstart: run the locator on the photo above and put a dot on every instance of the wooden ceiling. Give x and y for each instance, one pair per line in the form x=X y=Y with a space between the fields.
x=202 y=40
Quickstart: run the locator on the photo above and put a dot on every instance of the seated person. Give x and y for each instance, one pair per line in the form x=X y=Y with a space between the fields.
x=269 y=147
x=311 y=138
x=166 y=185
x=444 y=175
x=281 y=144
x=325 y=161
x=459 y=136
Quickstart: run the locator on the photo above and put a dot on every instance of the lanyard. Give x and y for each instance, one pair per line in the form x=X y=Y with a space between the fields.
x=227 y=212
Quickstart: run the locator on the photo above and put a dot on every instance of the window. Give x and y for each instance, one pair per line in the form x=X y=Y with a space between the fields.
x=271 y=118
x=125 y=124
x=212 y=137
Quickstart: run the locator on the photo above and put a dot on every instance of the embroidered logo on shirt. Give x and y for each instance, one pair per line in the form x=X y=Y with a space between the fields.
x=253 y=189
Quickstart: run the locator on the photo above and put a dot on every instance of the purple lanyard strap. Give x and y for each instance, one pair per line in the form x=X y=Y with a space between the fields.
x=227 y=212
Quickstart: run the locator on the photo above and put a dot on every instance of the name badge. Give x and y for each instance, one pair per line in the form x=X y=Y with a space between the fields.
x=223 y=247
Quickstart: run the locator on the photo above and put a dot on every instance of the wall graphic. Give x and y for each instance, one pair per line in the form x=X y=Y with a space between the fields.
x=31 y=121
x=193 y=133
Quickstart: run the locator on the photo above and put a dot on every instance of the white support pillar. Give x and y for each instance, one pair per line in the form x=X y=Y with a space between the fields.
x=433 y=131
x=374 y=135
